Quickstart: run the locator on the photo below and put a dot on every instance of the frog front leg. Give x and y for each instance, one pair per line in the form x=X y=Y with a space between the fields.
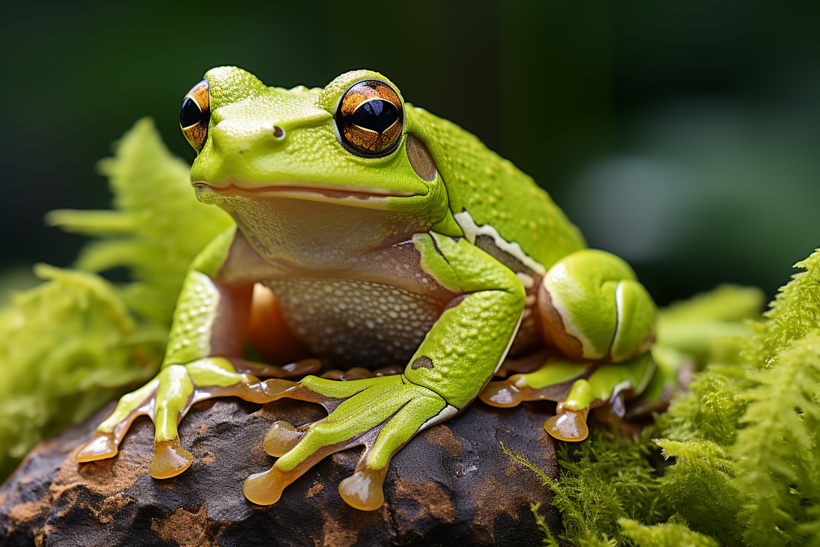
x=595 y=312
x=457 y=357
x=202 y=360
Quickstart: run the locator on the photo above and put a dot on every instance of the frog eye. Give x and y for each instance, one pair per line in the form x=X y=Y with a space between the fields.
x=370 y=119
x=195 y=114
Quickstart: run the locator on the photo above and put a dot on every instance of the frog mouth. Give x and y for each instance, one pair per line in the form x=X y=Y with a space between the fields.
x=314 y=192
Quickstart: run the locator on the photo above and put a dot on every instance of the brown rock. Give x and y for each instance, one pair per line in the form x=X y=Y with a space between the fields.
x=451 y=485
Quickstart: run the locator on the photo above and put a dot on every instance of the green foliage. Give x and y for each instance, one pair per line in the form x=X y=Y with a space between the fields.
x=549 y=539
x=701 y=489
x=664 y=535
x=608 y=478
x=157 y=228
x=65 y=349
x=777 y=450
x=694 y=326
x=794 y=314
x=75 y=342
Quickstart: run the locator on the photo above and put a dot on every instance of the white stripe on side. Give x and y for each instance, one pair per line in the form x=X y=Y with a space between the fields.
x=471 y=230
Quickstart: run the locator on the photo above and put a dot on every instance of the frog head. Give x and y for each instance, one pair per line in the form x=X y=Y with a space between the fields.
x=343 y=156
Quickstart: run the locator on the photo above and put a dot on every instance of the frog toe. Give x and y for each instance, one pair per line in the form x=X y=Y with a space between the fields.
x=568 y=425
x=281 y=438
x=100 y=447
x=106 y=440
x=363 y=489
x=552 y=382
x=166 y=399
x=170 y=459
x=296 y=369
x=577 y=388
x=381 y=413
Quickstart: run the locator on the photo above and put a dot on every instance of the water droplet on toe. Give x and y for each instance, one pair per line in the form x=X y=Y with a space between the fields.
x=98 y=448
x=281 y=437
x=568 y=425
x=170 y=459
x=363 y=489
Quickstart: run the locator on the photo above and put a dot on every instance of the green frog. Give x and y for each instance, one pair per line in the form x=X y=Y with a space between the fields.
x=382 y=237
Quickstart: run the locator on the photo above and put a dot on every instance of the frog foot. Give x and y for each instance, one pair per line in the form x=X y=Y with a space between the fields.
x=382 y=413
x=168 y=397
x=577 y=388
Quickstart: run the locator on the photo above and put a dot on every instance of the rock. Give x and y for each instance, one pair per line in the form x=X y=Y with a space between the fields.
x=451 y=485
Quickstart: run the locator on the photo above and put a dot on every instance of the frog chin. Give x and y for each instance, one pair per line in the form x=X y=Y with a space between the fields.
x=355 y=197
x=309 y=228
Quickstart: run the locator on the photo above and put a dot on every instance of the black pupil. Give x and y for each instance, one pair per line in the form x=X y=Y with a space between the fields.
x=189 y=114
x=376 y=115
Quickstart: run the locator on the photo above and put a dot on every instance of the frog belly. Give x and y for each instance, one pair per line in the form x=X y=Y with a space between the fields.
x=356 y=323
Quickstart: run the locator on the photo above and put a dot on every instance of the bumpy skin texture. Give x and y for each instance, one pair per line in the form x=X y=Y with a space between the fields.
x=433 y=254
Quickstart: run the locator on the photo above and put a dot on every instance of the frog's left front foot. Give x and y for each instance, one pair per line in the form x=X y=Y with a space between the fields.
x=381 y=413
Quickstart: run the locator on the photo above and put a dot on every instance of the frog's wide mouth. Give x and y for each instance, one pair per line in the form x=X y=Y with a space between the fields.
x=312 y=192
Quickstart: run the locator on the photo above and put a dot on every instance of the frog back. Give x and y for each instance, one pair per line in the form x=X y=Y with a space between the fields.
x=495 y=195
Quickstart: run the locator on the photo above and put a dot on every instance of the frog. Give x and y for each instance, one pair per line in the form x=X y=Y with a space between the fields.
x=383 y=237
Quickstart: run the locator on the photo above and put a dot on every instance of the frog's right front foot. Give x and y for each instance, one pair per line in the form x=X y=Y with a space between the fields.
x=168 y=397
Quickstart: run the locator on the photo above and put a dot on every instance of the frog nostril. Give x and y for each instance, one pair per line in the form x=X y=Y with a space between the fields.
x=278 y=132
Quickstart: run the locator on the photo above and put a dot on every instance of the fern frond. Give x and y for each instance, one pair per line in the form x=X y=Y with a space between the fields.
x=794 y=313
x=701 y=489
x=776 y=451
x=75 y=342
x=158 y=225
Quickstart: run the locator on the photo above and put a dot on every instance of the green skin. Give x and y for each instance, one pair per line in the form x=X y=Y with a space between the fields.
x=480 y=247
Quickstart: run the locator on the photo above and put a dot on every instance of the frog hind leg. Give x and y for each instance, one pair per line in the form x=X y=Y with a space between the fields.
x=382 y=413
x=576 y=387
x=168 y=397
x=594 y=310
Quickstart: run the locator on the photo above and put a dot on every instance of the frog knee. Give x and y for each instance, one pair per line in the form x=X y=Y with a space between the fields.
x=592 y=307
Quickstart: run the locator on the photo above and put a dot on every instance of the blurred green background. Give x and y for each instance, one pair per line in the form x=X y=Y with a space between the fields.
x=684 y=136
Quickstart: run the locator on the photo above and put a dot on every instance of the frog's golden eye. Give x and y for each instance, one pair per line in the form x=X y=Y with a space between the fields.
x=195 y=114
x=370 y=119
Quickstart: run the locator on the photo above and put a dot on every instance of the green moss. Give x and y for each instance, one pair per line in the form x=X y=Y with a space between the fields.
x=664 y=535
